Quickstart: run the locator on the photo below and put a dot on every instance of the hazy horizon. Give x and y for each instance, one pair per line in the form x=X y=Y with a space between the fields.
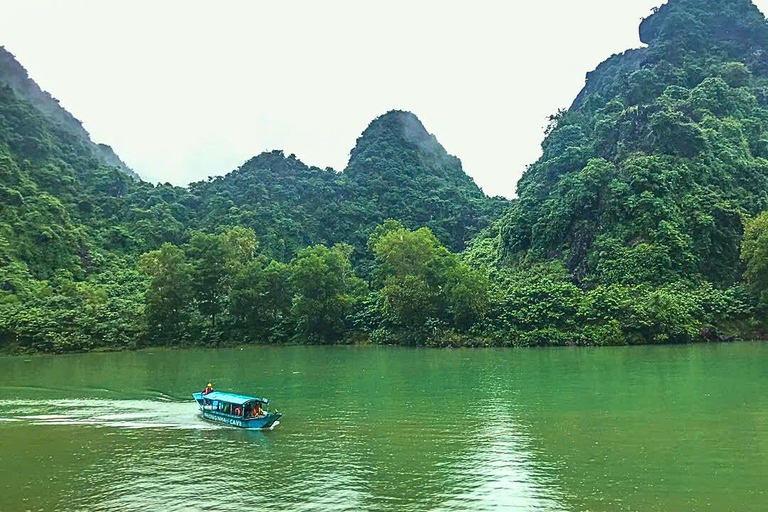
x=187 y=90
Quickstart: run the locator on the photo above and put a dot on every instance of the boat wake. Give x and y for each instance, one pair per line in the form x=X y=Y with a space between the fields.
x=131 y=414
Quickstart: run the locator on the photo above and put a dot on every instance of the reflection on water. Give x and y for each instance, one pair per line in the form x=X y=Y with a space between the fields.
x=503 y=469
x=661 y=428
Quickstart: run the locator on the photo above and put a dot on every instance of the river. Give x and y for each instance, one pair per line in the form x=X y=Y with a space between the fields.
x=366 y=428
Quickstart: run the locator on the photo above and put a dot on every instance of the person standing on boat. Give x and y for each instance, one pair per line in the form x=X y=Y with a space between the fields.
x=208 y=389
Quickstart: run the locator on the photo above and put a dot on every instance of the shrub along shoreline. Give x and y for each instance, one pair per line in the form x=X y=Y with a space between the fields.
x=219 y=291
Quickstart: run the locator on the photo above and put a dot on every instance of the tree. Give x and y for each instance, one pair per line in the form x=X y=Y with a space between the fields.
x=412 y=268
x=170 y=291
x=326 y=292
x=468 y=299
x=423 y=283
x=260 y=299
x=209 y=273
x=240 y=246
x=754 y=253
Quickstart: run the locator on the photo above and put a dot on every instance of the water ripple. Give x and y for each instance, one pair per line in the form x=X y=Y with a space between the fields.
x=394 y=430
x=132 y=414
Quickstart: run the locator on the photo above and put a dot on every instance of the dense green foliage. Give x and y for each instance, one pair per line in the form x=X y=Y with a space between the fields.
x=642 y=222
x=396 y=170
x=644 y=184
x=92 y=258
x=754 y=252
x=424 y=291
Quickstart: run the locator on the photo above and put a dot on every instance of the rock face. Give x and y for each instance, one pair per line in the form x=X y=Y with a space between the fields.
x=712 y=335
x=602 y=80
x=13 y=74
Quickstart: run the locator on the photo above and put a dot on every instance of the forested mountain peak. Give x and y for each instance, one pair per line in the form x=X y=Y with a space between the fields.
x=401 y=171
x=397 y=170
x=269 y=159
x=397 y=125
x=268 y=163
x=652 y=172
x=15 y=76
x=399 y=137
x=734 y=29
x=288 y=204
x=680 y=33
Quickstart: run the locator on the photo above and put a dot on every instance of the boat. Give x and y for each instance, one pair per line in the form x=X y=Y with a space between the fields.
x=237 y=410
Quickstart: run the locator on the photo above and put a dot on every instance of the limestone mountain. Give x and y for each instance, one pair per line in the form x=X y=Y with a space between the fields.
x=650 y=175
x=13 y=75
x=396 y=170
x=400 y=171
x=73 y=229
x=287 y=203
x=640 y=223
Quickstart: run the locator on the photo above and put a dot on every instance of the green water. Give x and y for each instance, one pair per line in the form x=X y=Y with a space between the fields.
x=652 y=428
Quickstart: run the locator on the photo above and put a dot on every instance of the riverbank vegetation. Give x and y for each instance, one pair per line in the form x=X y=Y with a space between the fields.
x=220 y=289
x=644 y=221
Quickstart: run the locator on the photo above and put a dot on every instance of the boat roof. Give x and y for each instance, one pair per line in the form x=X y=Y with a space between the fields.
x=233 y=398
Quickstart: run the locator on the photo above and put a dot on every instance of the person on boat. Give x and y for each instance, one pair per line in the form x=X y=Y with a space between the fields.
x=208 y=389
x=257 y=411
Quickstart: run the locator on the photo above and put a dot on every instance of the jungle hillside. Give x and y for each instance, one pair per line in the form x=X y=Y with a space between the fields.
x=645 y=221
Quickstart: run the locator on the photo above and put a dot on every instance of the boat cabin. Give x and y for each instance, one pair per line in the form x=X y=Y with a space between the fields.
x=230 y=404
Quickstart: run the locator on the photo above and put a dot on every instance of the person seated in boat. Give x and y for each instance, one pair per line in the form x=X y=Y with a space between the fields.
x=208 y=389
x=257 y=411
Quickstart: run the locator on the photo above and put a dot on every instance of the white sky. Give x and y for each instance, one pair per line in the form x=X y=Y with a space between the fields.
x=188 y=89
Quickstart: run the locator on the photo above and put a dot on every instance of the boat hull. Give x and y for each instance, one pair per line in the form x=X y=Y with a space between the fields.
x=265 y=422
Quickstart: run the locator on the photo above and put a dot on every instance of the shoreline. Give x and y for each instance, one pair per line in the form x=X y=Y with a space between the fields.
x=758 y=337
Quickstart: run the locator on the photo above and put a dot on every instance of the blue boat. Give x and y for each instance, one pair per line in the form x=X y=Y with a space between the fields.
x=237 y=410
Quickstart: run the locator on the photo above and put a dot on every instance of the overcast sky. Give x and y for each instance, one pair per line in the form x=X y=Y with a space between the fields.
x=188 y=89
